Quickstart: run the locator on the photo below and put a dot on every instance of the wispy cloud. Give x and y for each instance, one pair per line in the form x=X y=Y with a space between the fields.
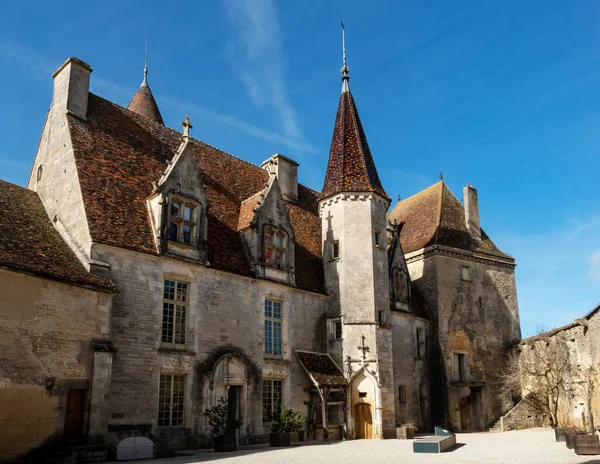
x=256 y=57
x=185 y=107
x=37 y=67
x=594 y=269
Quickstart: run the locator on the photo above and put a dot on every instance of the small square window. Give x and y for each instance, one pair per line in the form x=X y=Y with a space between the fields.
x=335 y=249
x=362 y=394
x=335 y=329
x=466 y=273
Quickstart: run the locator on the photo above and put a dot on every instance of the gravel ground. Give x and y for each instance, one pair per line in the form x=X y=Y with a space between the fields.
x=533 y=446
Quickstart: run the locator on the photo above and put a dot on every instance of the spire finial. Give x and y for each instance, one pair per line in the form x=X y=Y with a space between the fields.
x=145 y=81
x=187 y=125
x=441 y=177
x=345 y=77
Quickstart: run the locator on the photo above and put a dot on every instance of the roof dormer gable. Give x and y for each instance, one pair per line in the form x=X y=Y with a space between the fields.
x=178 y=208
x=268 y=234
x=399 y=278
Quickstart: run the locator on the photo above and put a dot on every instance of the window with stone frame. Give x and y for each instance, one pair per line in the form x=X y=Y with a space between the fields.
x=275 y=247
x=402 y=393
x=183 y=221
x=335 y=329
x=272 y=336
x=271 y=397
x=420 y=340
x=174 y=317
x=422 y=400
x=335 y=249
x=171 y=397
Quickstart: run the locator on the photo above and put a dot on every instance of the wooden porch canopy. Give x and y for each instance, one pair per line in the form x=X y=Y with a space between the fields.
x=326 y=376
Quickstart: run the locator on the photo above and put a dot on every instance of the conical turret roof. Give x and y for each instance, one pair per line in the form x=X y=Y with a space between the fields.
x=143 y=103
x=351 y=167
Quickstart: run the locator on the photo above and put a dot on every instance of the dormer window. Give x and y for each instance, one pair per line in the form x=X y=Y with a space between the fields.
x=182 y=221
x=275 y=242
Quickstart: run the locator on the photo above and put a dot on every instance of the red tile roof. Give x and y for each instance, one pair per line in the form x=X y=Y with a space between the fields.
x=29 y=242
x=119 y=154
x=322 y=368
x=351 y=167
x=435 y=216
x=248 y=209
x=144 y=104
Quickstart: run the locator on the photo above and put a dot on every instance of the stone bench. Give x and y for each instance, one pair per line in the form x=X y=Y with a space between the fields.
x=442 y=441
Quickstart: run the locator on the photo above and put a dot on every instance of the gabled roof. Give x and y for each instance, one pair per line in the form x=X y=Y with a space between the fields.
x=435 y=216
x=321 y=368
x=351 y=167
x=144 y=104
x=29 y=243
x=119 y=154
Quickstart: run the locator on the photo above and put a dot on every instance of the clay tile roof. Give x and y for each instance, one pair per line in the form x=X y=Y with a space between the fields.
x=29 y=242
x=321 y=367
x=435 y=216
x=119 y=154
x=144 y=104
x=248 y=208
x=351 y=167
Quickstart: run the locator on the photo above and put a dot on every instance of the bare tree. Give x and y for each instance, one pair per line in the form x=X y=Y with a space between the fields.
x=540 y=372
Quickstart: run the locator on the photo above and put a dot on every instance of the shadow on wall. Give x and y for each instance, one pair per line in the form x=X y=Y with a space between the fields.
x=470 y=316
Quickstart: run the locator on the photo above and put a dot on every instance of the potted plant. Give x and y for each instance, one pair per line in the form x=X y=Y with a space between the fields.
x=223 y=425
x=406 y=431
x=285 y=421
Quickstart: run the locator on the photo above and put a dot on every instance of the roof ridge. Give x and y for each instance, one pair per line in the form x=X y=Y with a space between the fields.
x=164 y=126
x=439 y=218
x=417 y=194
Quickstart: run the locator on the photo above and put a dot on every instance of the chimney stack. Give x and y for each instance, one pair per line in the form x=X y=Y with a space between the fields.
x=71 y=87
x=472 y=211
x=286 y=171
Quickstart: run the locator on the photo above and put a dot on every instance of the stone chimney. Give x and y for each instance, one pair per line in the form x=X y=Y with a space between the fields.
x=71 y=87
x=472 y=211
x=286 y=171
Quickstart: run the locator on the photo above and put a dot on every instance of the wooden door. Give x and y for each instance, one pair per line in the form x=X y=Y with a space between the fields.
x=74 y=413
x=363 y=421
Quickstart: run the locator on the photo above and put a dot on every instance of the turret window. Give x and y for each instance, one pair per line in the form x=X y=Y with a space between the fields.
x=182 y=221
x=335 y=249
x=275 y=242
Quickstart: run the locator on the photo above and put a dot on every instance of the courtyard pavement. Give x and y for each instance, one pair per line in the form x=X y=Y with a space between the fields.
x=532 y=446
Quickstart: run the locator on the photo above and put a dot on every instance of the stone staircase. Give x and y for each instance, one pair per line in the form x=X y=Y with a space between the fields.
x=522 y=416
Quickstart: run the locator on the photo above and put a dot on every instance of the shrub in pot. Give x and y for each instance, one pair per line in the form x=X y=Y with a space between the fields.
x=220 y=419
x=285 y=421
x=406 y=431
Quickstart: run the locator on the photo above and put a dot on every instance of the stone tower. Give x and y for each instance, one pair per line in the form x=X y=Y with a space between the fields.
x=353 y=209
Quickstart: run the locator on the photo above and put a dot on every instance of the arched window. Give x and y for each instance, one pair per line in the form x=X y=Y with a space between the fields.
x=275 y=246
x=183 y=220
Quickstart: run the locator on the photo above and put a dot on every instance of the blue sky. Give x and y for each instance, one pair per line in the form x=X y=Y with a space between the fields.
x=504 y=95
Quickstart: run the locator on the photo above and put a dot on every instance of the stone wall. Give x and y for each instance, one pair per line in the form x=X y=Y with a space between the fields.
x=478 y=317
x=225 y=317
x=409 y=370
x=46 y=332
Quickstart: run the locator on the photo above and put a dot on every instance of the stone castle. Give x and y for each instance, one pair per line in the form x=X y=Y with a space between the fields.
x=146 y=274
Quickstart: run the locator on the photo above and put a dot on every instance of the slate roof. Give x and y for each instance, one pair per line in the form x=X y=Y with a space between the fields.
x=321 y=367
x=144 y=104
x=29 y=242
x=118 y=155
x=351 y=167
x=435 y=216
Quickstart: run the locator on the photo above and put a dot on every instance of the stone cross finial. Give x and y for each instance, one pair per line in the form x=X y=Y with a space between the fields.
x=441 y=176
x=363 y=348
x=187 y=125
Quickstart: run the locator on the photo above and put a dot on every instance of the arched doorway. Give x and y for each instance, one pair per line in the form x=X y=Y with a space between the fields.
x=363 y=421
x=231 y=383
